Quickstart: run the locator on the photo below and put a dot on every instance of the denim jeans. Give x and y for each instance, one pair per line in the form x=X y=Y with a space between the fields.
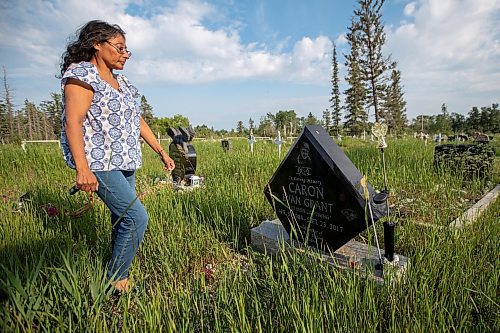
x=129 y=219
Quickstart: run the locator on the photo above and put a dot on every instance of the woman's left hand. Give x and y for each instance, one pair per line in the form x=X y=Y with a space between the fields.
x=169 y=163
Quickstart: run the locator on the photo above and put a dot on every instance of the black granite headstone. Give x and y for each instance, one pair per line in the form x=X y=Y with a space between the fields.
x=317 y=191
x=182 y=152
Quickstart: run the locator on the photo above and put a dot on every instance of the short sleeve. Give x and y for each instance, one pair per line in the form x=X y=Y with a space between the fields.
x=82 y=71
x=134 y=92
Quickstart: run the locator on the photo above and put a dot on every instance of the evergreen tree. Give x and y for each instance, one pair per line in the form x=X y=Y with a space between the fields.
x=355 y=114
x=311 y=119
x=373 y=64
x=250 y=124
x=9 y=126
x=4 y=123
x=147 y=111
x=19 y=128
x=335 y=99
x=56 y=114
x=327 y=120
x=394 y=104
x=239 y=127
x=29 y=115
x=45 y=107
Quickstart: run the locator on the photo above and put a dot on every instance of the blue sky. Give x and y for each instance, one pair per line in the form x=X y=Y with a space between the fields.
x=221 y=61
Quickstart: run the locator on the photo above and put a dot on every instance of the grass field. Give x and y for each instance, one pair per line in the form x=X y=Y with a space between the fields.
x=202 y=273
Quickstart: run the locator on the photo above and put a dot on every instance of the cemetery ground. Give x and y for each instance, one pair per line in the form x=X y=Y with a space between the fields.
x=203 y=275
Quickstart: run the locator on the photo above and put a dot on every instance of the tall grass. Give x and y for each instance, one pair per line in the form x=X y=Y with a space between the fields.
x=201 y=272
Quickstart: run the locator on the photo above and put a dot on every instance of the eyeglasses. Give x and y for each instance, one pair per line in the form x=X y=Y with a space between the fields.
x=120 y=49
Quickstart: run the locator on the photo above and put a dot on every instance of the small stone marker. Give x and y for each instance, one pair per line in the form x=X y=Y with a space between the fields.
x=317 y=194
x=480 y=137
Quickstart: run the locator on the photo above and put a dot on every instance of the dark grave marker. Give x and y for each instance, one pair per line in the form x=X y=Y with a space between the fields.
x=470 y=160
x=317 y=192
x=226 y=145
x=183 y=153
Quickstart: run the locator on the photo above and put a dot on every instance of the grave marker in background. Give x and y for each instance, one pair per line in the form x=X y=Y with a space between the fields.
x=251 y=140
x=226 y=145
x=184 y=155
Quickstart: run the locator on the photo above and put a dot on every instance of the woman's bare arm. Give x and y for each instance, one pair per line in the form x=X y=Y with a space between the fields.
x=78 y=97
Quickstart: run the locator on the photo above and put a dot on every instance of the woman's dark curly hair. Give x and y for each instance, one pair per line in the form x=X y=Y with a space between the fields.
x=82 y=49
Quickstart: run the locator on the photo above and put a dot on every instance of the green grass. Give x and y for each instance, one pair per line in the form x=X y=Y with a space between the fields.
x=202 y=274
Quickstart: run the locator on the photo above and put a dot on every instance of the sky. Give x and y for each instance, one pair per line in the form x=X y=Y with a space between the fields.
x=221 y=61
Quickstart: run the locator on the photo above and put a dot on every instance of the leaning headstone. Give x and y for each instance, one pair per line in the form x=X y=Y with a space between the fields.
x=317 y=194
x=320 y=198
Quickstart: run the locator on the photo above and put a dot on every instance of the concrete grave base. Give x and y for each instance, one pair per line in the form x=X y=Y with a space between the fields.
x=270 y=236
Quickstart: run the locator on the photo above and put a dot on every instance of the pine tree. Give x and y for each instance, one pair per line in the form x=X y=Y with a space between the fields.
x=4 y=125
x=8 y=127
x=394 y=104
x=56 y=117
x=335 y=99
x=250 y=124
x=29 y=115
x=311 y=119
x=355 y=96
x=46 y=107
x=239 y=127
x=327 y=120
x=147 y=111
x=373 y=64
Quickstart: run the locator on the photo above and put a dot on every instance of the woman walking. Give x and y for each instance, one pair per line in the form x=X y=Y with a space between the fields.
x=101 y=128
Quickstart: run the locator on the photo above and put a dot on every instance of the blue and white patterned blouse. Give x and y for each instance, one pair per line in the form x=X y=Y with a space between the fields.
x=111 y=129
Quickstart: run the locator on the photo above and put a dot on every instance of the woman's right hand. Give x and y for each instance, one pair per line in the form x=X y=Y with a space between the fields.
x=86 y=180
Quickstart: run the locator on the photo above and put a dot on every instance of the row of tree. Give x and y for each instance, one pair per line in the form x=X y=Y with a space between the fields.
x=43 y=121
x=485 y=119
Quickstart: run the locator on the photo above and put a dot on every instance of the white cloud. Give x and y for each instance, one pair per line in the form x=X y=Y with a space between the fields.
x=448 y=51
x=410 y=9
x=311 y=59
x=171 y=45
x=341 y=39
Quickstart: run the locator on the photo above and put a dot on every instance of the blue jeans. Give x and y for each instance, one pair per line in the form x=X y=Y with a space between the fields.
x=129 y=219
